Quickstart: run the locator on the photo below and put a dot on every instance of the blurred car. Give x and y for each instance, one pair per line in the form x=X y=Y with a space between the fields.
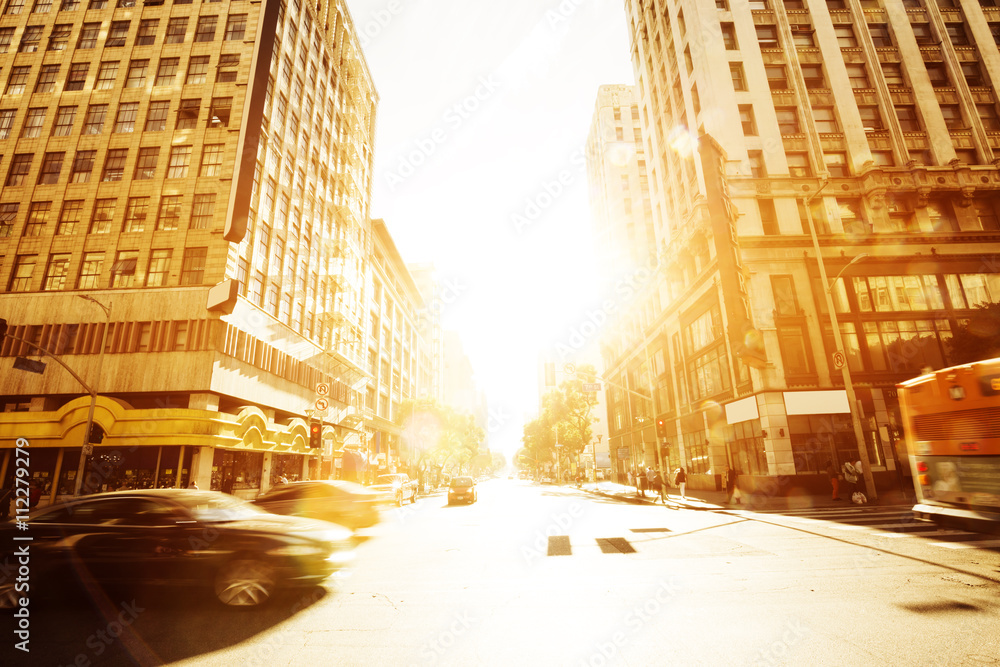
x=337 y=501
x=395 y=488
x=462 y=489
x=176 y=537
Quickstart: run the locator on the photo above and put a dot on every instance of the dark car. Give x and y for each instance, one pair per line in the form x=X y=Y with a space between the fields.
x=337 y=501
x=462 y=489
x=176 y=537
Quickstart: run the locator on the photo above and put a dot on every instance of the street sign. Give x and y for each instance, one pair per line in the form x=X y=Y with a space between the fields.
x=30 y=365
x=322 y=389
x=569 y=369
x=88 y=449
x=591 y=386
x=322 y=404
x=839 y=360
x=622 y=453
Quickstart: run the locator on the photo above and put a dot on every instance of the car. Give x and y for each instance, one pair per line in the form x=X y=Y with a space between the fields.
x=395 y=487
x=337 y=501
x=175 y=537
x=462 y=489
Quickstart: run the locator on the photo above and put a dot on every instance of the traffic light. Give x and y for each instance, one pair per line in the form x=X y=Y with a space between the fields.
x=96 y=434
x=315 y=434
x=661 y=428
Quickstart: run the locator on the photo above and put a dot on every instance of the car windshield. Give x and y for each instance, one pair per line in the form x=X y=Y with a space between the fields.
x=389 y=479
x=461 y=481
x=214 y=507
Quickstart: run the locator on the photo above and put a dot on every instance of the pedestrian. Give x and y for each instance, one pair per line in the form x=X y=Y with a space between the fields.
x=860 y=498
x=658 y=486
x=850 y=478
x=732 y=491
x=193 y=484
x=831 y=471
x=681 y=481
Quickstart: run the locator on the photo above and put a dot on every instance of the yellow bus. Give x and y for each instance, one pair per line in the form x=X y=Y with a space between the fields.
x=951 y=420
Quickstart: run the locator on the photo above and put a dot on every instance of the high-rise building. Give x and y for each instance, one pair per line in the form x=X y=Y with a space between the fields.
x=201 y=175
x=805 y=154
x=436 y=300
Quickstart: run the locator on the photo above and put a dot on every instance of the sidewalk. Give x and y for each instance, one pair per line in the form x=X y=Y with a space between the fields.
x=699 y=499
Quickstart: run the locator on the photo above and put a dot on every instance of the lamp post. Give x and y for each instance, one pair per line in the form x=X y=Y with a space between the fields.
x=87 y=448
x=852 y=401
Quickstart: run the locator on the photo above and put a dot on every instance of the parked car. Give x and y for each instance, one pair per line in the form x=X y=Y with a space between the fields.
x=176 y=537
x=462 y=489
x=337 y=501
x=396 y=488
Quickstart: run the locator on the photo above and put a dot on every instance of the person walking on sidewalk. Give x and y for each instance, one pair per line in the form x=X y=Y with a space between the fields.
x=831 y=471
x=658 y=486
x=732 y=478
x=681 y=481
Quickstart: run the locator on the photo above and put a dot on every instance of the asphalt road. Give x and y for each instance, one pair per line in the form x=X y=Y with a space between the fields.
x=545 y=575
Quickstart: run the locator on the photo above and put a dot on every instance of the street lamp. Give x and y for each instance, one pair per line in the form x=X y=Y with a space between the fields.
x=87 y=448
x=852 y=401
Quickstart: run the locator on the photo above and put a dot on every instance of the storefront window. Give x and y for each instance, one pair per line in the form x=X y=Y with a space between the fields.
x=287 y=465
x=167 y=475
x=745 y=442
x=817 y=439
x=237 y=472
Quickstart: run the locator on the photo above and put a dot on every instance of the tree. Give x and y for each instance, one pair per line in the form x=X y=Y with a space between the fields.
x=565 y=418
x=440 y=434
x=979 y=338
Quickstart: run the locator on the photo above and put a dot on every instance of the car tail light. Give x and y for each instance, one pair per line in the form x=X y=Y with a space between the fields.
x=924 y=480
x=921 y=466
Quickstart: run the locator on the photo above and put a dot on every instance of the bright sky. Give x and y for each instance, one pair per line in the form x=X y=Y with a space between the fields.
x=484 y=106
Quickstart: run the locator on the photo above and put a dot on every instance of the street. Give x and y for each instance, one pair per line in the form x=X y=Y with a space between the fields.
x=550 y=575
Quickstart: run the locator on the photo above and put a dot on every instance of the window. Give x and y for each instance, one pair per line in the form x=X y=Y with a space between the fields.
x=938 y=74
x=845 y=36
x=836 y=164
x=907 y=114
x=236 y=26
x=956 y=32
x=203 y=210
x=986 y=214
x=114 y=165
x=29 y=39
x=56 y=273
x=205 y=30
x=170 y=213
x=941 y=216
x=826 y=120
x=123 y=270
x=69 y=5
x=159 y=265
x=871 y=119
x=24 y=267
x=18 y=79
x=858 y=74
x=147 y=32
x=8 y=213
x=729 y=36
x=33 y=123
x=813 y=75
x=97 y=4
x=197 y=70
x=802 y=37
x=19 y=168
x=135 y=214
x=788 y=120
x=117 y=34
x=798 y=164
x=176 y=30
x=757 y=167
x=193 y=266
x=227 y=70
x=145 y=165
x=136 y=77
x=880 y=34
x=883 y=158
x=988 y=114
x=952 y=116
x=77 y=77
x=38 y=217
x=738 y=76
x=83 y=165
x=768 y=217
x=156 y=116
x=893 y=75
x=973 y=74
x=166 y=71
x=180 y=160
x=6 y=36
x=88 y=36
x=785 y=301
x=747 y=120
x=767 y=36
x=94 y=121
x=69 y=219
x=125 y=121
x=59 y=37
x=211 y=160
x=922 y=33
x=218 y=113
x=47 y=79
x=776 y=77
x=106 y=75
x=187 y=114
x=6 y=121
x=90 y=270
x=104 y=213
x=51 y=168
